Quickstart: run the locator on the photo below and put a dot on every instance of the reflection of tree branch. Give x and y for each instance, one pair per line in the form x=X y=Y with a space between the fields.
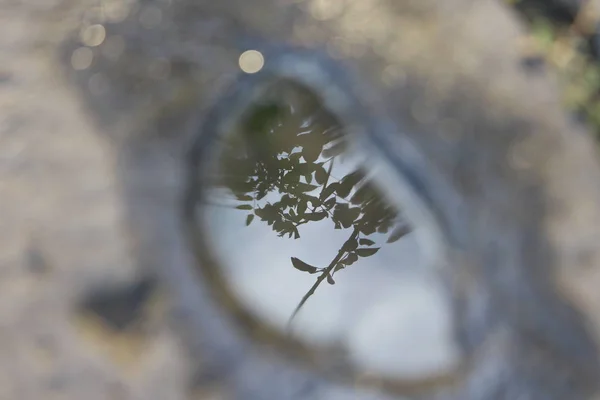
x=322 y=277
x=323 y=209
x=327 y=177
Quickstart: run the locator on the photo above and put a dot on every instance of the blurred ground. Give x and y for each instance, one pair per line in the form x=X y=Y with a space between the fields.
x=565 y=34
x=127 y=327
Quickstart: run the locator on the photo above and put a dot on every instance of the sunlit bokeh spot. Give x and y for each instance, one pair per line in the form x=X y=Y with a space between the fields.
x=116 y=10
x=93 y=35
x=82 y=58
x=251 y=61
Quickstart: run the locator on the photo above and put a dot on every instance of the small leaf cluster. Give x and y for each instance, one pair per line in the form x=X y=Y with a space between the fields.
x=280 y=169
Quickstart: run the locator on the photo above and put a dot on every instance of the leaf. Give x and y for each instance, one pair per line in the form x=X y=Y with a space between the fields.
x=315 y=216
x=344 y=188
x=330 y=280
x=314 y=201
x=329 y=203
x=326 y=192
x=302 y=266
x=263 y=116
x=366 y=252
x=353 y=213
x=296 y=233
x=338 y=267
x=244 y=207
x=320 y=175
x=308 y=177
x=302 y=208
x=249 y=219
x=268 y=213
x=367 y=229
x=304 y=187
x=295 y=156
x=366 y=242
x=279 y=226
x=350 y=259
x=304 y=168
x=244 y=197
x=261 y=194
x=346 y=219
x=383 y=228
x=350 y=245
x=311 y=152
x=341 y=208
x=286 y=200
x=398 y=233
x=354 y=177
x=291 y=177
x=288 y=228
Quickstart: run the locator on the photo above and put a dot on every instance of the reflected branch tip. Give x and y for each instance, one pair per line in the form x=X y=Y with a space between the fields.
x=321 y=278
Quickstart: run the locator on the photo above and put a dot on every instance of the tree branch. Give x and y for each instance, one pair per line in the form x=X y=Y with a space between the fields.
x=322 y=277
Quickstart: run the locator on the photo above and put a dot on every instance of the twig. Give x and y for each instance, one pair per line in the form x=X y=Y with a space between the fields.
x=321 y=277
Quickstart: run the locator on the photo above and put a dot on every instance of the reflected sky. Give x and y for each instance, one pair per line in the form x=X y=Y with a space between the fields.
x=285 y=187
